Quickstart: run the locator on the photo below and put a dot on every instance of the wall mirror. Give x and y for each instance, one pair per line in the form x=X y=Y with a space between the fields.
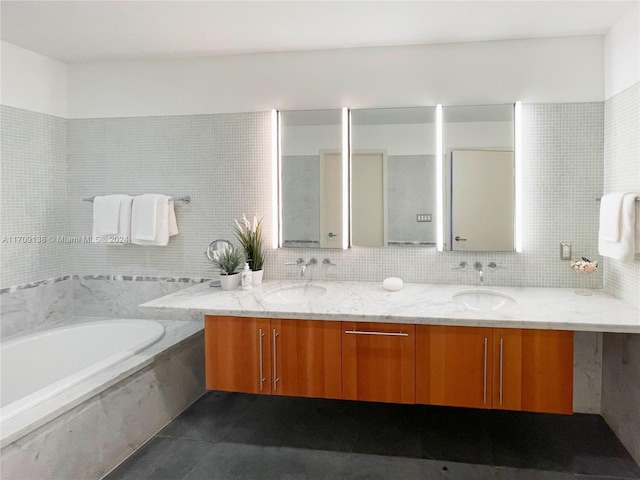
x=393 y=177
x=311 y=187
x=479 y=171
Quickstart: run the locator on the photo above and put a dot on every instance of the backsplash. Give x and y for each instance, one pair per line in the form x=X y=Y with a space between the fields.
x=622 y=173
x=224 y=163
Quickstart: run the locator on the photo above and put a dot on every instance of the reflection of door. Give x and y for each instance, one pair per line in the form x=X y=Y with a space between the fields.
x=482 y=200
x=331 y=200
x=368 y=203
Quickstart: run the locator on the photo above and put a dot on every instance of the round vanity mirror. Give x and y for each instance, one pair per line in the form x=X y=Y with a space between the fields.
x=216 y=246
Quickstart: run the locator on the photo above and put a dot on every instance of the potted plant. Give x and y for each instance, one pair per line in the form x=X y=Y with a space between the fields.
x=228 y=260
x=250 y=237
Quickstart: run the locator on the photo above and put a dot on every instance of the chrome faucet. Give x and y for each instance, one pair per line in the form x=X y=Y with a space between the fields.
x=478 y=267
x=313 y=261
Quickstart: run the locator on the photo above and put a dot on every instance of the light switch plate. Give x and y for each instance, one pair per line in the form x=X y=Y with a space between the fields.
x=565 y=251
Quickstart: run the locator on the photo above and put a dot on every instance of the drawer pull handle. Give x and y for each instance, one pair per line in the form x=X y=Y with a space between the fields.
x=262 y=379
x=385 y=334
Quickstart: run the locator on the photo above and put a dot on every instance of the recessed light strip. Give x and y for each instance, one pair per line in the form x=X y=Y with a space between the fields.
x=345 y=178
x=440 y=179
x=518 y=175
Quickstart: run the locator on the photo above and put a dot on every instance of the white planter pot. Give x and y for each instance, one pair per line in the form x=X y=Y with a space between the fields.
x=257 y=277
x=230 y=282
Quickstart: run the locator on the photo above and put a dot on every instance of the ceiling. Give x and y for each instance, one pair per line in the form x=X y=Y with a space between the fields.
x=80 y=30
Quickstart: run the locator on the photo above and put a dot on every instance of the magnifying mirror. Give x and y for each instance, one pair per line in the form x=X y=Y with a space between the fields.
x=217 y=246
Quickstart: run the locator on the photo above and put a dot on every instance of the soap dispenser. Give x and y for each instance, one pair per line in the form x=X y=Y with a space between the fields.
x=246 y=277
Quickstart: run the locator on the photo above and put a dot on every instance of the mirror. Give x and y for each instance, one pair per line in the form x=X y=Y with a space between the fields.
x=311 y=178
x=393 y=177
x=217 y=246
x=478 y=146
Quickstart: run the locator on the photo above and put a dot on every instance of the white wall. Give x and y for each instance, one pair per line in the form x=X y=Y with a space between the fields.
x=32 y=81
x=622 y=53
x=533 y=71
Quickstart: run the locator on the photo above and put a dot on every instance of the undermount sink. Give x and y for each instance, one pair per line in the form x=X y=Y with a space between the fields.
x=484 y=300
x=295 y=294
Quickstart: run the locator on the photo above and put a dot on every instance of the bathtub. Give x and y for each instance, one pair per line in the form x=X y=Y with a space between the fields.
x=37 y=367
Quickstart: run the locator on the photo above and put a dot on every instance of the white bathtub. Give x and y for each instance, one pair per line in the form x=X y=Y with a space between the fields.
x=36 y=367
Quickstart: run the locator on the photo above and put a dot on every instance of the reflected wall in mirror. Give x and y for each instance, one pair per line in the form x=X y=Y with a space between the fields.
x=478 y=144
x=393 y=177
x=311 y=178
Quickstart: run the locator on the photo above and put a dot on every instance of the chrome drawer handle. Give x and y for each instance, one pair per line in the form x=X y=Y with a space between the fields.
x=385 y=334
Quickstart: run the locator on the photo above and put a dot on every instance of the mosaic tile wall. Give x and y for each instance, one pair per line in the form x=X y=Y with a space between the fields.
x=224 y=163
x=622 y=173
x=34 y=206
x=621 y=353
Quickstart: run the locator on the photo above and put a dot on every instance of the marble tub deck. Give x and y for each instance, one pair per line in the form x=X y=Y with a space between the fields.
x=537 y=308
x=30 y=420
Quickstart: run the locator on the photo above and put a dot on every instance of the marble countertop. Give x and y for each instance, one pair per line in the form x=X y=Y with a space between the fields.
x=537 y=308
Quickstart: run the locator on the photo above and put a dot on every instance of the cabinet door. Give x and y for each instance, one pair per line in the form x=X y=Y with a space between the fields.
x=237 y=354
x=547 y=371
x=378 y=362
x=454 y=366
x=306 y=358
x=507 y=368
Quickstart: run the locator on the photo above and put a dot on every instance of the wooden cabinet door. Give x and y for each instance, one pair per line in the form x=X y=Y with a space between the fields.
x=307 y=358
x=378 y=362
x=507 y=368
x=237 y=354
x=454 y=366
x=547 y=371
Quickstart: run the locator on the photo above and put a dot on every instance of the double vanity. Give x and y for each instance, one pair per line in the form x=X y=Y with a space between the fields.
x=501 y=348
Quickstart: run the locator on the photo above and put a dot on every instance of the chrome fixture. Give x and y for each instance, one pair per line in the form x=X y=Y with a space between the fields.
x=493 y=266
x=327 y=263
x=313 y=261
x=478 y=267
x=185 y=199
x=462 y=266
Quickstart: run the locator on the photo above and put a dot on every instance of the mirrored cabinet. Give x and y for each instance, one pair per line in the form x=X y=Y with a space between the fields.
x=393 y=177
x=479 y=184
x=311 y=179
x=415 y=176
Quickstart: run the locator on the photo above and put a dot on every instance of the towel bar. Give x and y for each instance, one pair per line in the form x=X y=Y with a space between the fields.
x=185 y=199
x=600 y=198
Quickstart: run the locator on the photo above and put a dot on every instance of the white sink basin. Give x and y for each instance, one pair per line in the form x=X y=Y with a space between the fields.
x=295 y=294
x=484 y=300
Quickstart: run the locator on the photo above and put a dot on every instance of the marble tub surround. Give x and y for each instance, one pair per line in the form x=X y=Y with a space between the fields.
x=22 y=424
x=540 y=308
x=35 y=305
x=119 y=295
x=91 y=439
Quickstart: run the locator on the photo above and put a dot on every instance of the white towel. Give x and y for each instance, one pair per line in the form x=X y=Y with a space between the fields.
x=629 y=243
x=610 y=216
x=153 y=220
x=112 y=219
x=106 y=215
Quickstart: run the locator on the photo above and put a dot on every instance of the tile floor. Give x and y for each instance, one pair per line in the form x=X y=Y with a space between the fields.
x=230 y=436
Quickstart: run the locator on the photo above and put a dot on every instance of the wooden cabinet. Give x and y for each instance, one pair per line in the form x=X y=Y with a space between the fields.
x=283 y=357
x=237 y=354
x=508 y=369
x=378 y=362
x=454 y=366
x=307 y=358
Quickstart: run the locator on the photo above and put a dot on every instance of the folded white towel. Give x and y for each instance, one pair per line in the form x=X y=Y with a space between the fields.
x=628 y=244
x=108 y=211
x=106 y=215
x=153 y=220
x=610 y=216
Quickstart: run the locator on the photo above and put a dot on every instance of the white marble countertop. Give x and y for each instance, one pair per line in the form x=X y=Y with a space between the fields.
x=537 y=308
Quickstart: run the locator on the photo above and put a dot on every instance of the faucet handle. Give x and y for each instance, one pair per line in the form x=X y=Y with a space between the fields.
x=462 y=266
x=494 y=266
x=299 y=261
x=477 y=266
x=327 y=263
x=313 y=261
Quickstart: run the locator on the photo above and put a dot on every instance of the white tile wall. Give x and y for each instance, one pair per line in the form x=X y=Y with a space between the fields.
x=622 y=173
x=33 y=204
x=224 y=163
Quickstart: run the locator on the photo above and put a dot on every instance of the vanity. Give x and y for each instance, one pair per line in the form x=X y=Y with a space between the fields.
x=356 y=341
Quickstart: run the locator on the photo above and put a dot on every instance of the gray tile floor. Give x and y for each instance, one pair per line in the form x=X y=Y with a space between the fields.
x=232 y=436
